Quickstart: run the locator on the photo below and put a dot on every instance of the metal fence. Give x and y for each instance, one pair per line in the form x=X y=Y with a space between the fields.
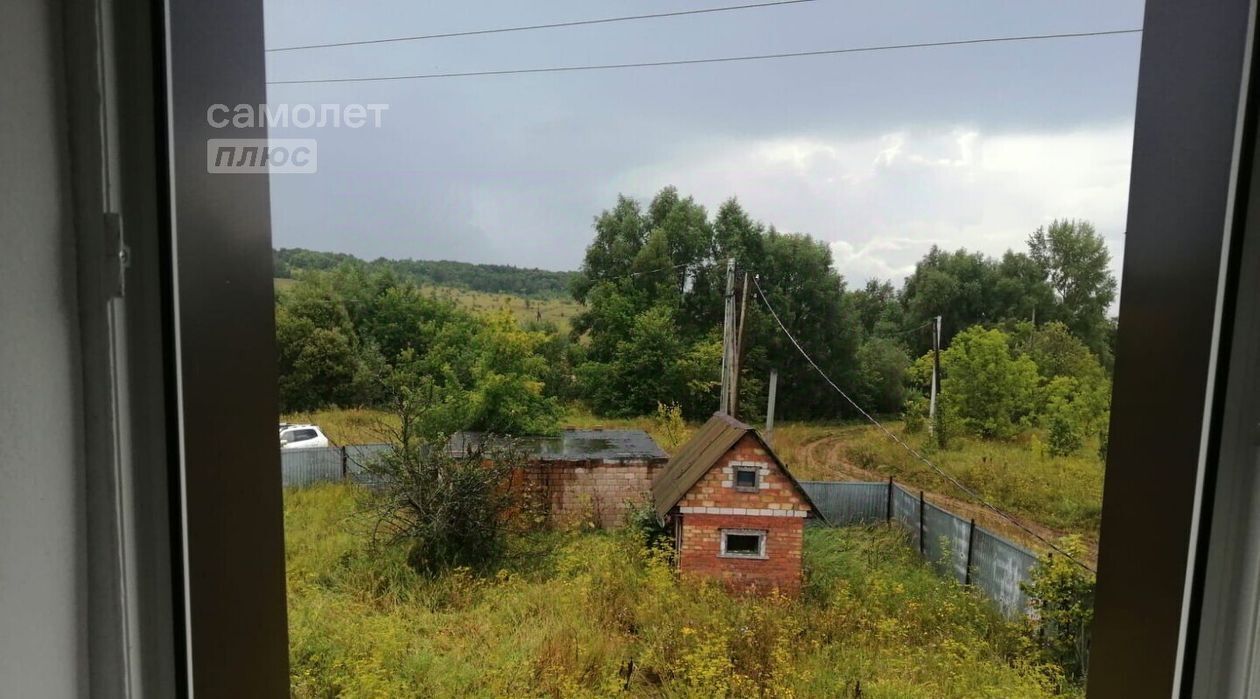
x=953 y=545
x=303 y=467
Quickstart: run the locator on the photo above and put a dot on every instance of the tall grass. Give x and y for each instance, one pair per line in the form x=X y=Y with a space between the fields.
x=347 y=425
x=596 y=614
x=1019 y=476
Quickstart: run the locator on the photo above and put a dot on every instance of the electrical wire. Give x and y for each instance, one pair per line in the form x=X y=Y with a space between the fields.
x=722 y=59
x=639 y=274
x=913 y=452
x=899 y=333
x=531 y=27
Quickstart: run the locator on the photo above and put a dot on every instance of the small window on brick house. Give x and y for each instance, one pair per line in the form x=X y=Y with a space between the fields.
x=743 y=543
x=746 y=479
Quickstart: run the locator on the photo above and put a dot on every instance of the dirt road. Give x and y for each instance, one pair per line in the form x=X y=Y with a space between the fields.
x=827 y=454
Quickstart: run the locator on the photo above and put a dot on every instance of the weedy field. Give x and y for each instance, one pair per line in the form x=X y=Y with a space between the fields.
x=594 y=613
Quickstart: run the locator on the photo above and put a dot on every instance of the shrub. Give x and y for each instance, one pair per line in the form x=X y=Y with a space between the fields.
x=1066 y=416
x=1063 y=436
x=915 y=414
x=670 y=424
x=449 y=511
x=647 y=527
x=1062 y=595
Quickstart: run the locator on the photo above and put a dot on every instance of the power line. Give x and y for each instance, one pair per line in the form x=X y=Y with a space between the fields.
x=913 y=452
x=722 y=59
x=628 y=275
x=531 y=27
x=899 y=333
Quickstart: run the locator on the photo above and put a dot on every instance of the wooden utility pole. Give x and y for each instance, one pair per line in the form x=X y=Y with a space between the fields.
x=774 y=385
x=739 y=349
x=728 y=339
x=936 y=372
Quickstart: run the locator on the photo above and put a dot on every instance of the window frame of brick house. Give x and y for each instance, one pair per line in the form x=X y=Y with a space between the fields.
x=746 y=487
x=761 y=535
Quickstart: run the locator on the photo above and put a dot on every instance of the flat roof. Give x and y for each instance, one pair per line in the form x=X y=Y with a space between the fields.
x=571 y=445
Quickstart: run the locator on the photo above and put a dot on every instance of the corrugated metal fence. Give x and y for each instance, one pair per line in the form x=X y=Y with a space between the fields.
x=955 y=546
x=302 y=467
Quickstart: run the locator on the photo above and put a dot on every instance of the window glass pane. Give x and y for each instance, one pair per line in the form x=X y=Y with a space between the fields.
x=528 y=285
x=749 y=544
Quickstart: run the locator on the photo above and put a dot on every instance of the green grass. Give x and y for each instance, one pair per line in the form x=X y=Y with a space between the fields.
x=594 y=614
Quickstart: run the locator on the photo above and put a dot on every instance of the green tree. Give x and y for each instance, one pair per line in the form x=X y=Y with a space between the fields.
x=506 y=393
x=653 y=286
x=318 y=366
x=958 y=286
x=878 y=309
x=881 y=380
x=986 y=388
x=1076 y=264
x=1075 y=392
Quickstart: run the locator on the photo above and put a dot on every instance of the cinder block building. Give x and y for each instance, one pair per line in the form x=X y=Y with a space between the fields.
x=737 y=513
x=582 y=475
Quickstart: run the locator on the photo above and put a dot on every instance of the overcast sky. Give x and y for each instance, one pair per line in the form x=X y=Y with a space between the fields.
x=879 y=154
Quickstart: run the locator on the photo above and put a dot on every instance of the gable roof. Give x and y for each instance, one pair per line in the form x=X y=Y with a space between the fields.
x=700 y=453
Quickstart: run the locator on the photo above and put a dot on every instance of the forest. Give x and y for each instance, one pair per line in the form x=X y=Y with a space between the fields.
x=495 y=279
x=1027 y=337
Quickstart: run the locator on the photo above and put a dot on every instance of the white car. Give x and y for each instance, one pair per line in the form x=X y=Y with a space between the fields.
x=302 y=437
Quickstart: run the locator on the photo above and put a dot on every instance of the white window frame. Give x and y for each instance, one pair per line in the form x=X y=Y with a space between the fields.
x=761 y=534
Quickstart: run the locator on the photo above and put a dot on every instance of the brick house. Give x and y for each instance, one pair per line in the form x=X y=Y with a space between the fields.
x=737 y=513
x=581 y=475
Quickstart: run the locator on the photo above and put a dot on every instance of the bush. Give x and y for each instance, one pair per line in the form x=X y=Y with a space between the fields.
x=915 y=414
x=1062 y=595
x=670 y=424
x=647 y=528
x=1066 y=416
x=450 y=511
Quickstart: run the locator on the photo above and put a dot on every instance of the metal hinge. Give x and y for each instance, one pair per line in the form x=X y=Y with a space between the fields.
x=117 y=256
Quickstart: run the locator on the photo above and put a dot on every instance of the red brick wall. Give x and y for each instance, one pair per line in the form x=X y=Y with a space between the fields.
x=714 y=503
x=711 y=490
x=781 y=569
x=595 y=491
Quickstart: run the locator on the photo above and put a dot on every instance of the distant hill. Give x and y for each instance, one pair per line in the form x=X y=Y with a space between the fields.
x=492 y=279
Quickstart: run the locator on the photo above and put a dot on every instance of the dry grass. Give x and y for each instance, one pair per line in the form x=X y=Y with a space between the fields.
x=595 y=614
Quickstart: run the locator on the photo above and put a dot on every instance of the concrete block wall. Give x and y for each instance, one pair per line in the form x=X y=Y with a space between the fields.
x=598 y=491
